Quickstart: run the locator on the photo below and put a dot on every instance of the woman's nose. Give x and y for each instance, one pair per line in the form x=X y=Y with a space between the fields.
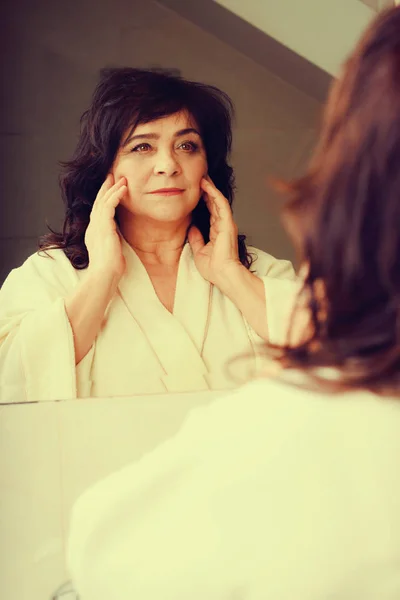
x=167 y=164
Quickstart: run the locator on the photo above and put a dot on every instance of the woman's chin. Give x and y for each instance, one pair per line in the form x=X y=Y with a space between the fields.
x=169 y=213
x=163 y=212
x=171 y=217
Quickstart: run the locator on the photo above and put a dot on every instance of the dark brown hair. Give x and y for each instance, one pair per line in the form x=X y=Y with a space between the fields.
x=344 y=216
x=124 y=98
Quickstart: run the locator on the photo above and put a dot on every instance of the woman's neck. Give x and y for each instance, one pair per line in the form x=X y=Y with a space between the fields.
x=156 y=243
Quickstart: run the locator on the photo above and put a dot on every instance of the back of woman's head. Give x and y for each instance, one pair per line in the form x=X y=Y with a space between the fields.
x=123 y=99
x=344 y=216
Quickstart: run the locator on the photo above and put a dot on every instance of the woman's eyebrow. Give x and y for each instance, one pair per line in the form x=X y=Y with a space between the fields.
x=156 y=136
x=186 y=131
x=141 y=136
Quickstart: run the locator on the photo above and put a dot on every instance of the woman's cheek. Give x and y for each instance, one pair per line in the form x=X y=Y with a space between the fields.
x=118 y=173
x=121 y=168
x=202 y=171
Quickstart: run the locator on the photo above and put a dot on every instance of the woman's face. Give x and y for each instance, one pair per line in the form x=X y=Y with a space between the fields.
x=163 y=162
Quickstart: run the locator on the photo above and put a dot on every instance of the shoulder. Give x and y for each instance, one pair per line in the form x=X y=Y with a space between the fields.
x=238 y=413
x=268 y=418
x=266 y=400
x=267 y=264
x=48 y=271
x=49 y=263
x=43 y=260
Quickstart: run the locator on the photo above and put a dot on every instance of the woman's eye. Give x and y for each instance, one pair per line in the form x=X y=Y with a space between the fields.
x=141 y=148
x=189 y=146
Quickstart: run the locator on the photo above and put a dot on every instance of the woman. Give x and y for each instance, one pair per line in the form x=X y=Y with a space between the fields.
x=148 y=288
x=289 y=487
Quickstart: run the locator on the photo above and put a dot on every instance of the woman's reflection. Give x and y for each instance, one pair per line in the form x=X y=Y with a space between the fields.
x=148 y=288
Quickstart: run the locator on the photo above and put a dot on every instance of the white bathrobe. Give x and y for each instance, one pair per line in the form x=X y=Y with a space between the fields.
x=142 y=347
x=270 y=493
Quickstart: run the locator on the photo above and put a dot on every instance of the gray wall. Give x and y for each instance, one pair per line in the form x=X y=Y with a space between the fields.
x=52 y=52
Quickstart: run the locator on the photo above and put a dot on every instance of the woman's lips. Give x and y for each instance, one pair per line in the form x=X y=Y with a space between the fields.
x=168 y=192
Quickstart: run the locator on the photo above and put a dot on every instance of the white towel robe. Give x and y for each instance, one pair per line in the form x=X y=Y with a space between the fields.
x=269 y=493
x=142 y=347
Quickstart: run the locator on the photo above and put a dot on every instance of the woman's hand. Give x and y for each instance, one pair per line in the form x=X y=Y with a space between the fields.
x=87 y=303
x=220 y=256
x=102 y=238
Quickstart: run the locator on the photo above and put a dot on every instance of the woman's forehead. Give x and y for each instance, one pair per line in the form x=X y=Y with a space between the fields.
x=168 y=124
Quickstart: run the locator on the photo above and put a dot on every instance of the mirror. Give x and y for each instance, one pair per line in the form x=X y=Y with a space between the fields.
x=273 y=134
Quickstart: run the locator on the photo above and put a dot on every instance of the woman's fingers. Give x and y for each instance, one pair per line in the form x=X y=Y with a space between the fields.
x=220 y=211
x=108 y=188
x=110 y=193
x=107 y=184
x=116 y=195
x=113 y=189
x=107 y=213
x=216 y=202
x=107 y=199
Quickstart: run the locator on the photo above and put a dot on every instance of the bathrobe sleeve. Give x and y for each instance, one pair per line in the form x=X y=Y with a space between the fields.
x=37 y=360
x=281 y=289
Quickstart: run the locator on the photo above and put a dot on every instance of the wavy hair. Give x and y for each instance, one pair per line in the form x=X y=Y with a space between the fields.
x=123 y=99
x=344 y=216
